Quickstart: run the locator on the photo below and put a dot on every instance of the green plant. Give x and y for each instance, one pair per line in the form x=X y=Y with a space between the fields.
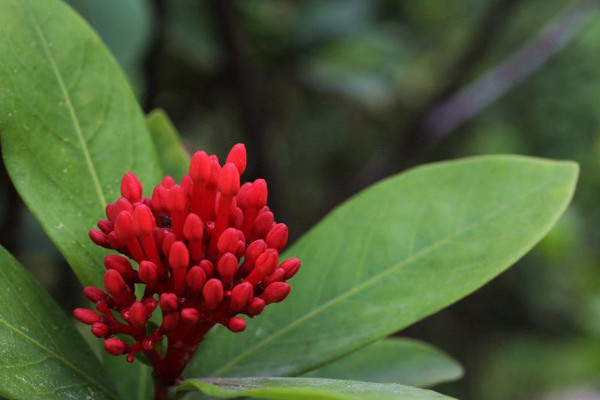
x=393 y=254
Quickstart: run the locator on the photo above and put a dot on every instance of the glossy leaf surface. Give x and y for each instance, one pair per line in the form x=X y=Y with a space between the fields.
x=43 y=356
x=405 y=361
x=394 y=254
x=70 y=125
x=306 y=389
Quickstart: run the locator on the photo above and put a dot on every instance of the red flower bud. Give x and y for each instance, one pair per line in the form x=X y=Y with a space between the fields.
x=86 y=316
x=138 y=315
x=276 y=292
x=94 y=294
x=208 y=267
x=168 y=302
x=229 y=180
x=179 y=256
x=106 y=226
x=143 y=221
x=170 y=321
x=267 y=262
x=123 y=205
x=114 y=346
x=263 y=224
x=98 y=237
x=190 y=315
x=240 y=296
x=290 y=266
x=200 y=167
x=111 y=211
x=148 y=273
x=131 y=188
x=195 y=280
x=193 y=229
x=258 y=194
x=114 y=283
x=213 y=293
x=100 y=330
x=177 y=200
x=124 y=227
x=277 y=276
x=168 y=242
x=237 y=156
x=277 y=237
x=228 y=242
x=256 y=306
x=167 y=182
x=227 y=267
x=120 y=264
x=236 y=324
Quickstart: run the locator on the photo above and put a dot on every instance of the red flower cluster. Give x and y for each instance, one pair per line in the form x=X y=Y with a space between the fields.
x=207 y=250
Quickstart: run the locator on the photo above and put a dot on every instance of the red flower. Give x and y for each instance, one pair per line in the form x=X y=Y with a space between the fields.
x=207 y=250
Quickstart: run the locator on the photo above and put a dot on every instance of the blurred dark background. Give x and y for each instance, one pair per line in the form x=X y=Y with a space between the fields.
x=332 y=95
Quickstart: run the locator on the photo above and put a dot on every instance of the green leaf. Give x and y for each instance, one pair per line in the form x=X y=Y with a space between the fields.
x=69 y=123
x=115 y=20
x=394 y=254
x=305 y=388
x=406 y=361
x=43 y=356
x=173 y=157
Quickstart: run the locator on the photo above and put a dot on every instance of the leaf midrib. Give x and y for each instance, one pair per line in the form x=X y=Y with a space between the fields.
x=72 y=114
x=376 y=278
x=58 y=358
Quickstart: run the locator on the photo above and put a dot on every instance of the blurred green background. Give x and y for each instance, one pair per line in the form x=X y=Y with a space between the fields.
x=332 y=95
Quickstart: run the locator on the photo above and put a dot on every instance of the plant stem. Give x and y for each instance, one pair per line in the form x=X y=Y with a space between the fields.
x=182 y=347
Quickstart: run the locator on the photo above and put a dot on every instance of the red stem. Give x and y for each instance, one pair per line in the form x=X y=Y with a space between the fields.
x=182 y=347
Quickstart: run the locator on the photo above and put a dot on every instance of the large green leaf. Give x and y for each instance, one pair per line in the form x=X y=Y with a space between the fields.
x=394 y=254
x=69 y=124
x=406 y=361
x=173 y=157
x=43 y=356
x=306 y=389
